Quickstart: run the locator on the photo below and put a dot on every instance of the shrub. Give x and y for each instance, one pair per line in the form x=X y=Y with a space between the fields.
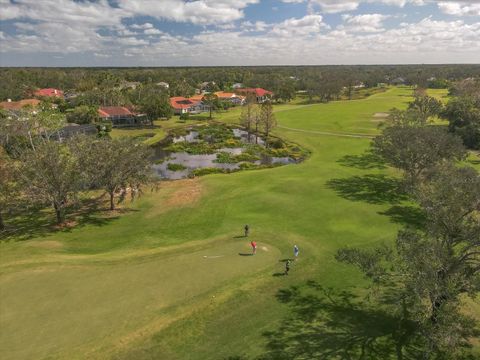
x=207 y=171
x=175 y=167
x=275 y=143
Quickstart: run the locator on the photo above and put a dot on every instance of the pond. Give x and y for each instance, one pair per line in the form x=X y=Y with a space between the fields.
x=175 y=165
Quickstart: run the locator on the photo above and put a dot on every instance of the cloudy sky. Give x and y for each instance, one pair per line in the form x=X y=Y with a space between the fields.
x=237 y=32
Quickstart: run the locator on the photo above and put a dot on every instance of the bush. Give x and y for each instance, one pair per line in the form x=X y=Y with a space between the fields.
x=175 y=167
x=247 y=166
x=275 y=143
x=225 y=158
x=207 y=171
x=184 y=116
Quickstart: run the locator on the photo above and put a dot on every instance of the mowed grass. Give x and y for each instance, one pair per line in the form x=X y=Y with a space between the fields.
x=172 y=278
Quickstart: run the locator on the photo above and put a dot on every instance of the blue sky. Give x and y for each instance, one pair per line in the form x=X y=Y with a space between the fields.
x=237 y=32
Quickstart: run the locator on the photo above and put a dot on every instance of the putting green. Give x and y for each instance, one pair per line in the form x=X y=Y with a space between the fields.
x=92 y=303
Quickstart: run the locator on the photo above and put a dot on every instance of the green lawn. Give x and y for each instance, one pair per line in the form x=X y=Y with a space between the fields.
x=172 y=279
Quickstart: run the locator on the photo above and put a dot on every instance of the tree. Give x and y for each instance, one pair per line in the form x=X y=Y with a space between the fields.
x=83 y=114
x=51 y=173
x=156 y=105
x=425 y=107
x=9 y=187
x=116 y=165
x=249 y=114
x=416 y=149
x=463 y=115
x=267 y=119
x=429 y=272
x=211 y=100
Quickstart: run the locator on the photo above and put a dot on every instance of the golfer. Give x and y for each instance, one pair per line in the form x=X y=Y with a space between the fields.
x=247 y=228
x=287 y=267
x=295 y=251
x=254 y=247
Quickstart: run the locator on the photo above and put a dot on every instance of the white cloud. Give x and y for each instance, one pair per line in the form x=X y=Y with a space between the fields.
x=197 y=12
x=142 y=26
x=307 y=25
x=365 y=22
x=337 y=6
x=460 y=8
x=152 y=32
x=96 y=31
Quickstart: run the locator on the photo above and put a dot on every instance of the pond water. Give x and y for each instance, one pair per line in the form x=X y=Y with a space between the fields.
x=192 y=162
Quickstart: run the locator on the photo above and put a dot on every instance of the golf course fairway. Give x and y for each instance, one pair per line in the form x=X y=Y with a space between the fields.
x=171 y=276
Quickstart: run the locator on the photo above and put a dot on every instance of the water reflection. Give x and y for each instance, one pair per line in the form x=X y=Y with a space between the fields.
x=191 y=162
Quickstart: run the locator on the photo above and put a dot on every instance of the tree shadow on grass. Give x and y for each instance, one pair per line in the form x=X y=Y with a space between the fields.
x=329 y=324
x=33 y=222
x=365 y=161
x=371 y=188
x=408 y=215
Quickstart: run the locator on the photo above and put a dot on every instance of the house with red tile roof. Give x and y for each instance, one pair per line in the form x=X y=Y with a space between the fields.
x=231 y=97
x=120 y=116
x=193 y=105
x=17 y=105
x=260 y=94
x=49 y=92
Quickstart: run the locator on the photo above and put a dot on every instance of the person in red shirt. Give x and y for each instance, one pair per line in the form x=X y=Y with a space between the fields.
x=254 y=247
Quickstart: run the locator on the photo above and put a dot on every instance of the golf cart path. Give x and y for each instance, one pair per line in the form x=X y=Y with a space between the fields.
x=96 y=298
x=328 y=133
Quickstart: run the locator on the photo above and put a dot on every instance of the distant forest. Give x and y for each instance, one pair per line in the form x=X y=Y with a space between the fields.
x=18 y=83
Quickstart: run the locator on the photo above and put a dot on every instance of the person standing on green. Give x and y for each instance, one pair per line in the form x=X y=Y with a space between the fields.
x=287 y=267
x=247 y=228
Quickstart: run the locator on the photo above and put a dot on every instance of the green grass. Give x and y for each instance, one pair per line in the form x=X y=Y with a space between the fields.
x=137 y=285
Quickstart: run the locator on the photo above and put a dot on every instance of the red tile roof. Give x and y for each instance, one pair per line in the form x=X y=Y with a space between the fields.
x=180 y=102
x=108 y=111
x=49 y=92
x=17 y=105
x=256 y=91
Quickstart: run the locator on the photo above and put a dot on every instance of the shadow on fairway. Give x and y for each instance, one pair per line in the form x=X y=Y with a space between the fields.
x=365 y=161
x=329 y=324
x=245 y=254
x=285 y=260
x=239 y=237
x=371 y=188
x=279 y=274
x=406 y=215
x=34 y=222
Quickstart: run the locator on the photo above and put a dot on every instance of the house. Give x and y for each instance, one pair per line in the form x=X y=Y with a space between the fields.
x=261 y=95
x=17 y=105
x=231 y=97
x=71 y=130
x=398 y=81
x=49 y=92
x=119 y=116
x=163 y=84
x=193 y=105
x=129 y=85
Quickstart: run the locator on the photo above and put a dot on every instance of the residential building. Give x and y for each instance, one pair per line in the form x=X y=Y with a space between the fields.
x=261 y=95
x=49 y=92
x=231 y=97
x=398 y=81
x=163 y=84
x=129 y=85
x=193 y=105
x=75 y=129
x=120 y=116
